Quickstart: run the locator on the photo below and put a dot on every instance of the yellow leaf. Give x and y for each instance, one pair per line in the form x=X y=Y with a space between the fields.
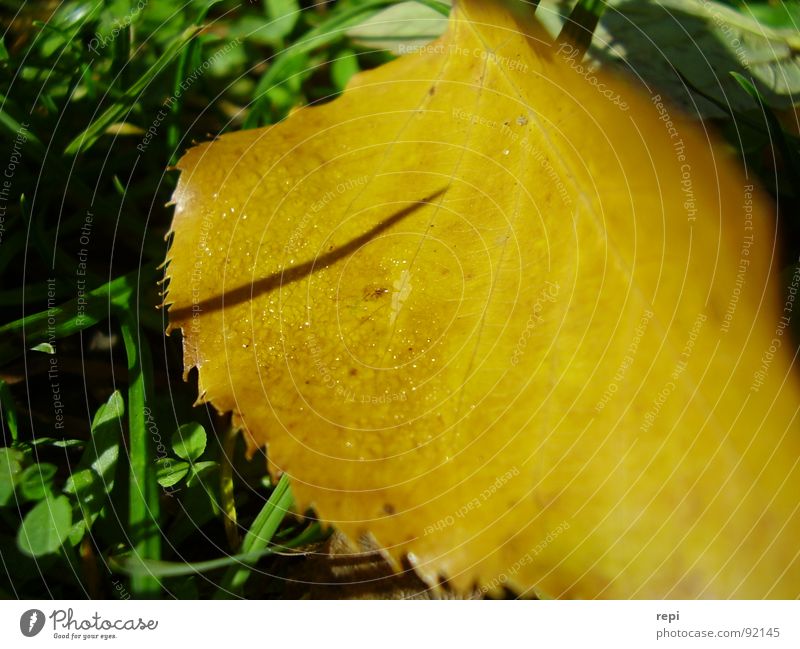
x=508 y=317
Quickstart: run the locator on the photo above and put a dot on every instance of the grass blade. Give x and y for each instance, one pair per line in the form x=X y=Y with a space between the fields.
x=65 y=319
x=89 y=136
x=173 y=131
x=258 y=536
x=8 y=411
x=143 y=495
x=129 y=566
x=580 y=26
x=322 y=35
x=226 y=489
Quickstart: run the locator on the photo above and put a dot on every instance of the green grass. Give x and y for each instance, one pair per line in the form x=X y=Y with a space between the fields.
x=111 y=483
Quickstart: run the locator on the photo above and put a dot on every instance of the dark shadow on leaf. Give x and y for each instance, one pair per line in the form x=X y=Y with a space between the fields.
x=249 y=291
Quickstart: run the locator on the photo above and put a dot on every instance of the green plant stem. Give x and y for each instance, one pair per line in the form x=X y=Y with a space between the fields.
x=8 y=410
x=162 y=569
x=258 y=537
x=580 y=26
x=143 y=515
x=227 y=500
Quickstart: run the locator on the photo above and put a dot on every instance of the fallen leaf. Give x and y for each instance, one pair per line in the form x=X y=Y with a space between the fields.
x=514 y=323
